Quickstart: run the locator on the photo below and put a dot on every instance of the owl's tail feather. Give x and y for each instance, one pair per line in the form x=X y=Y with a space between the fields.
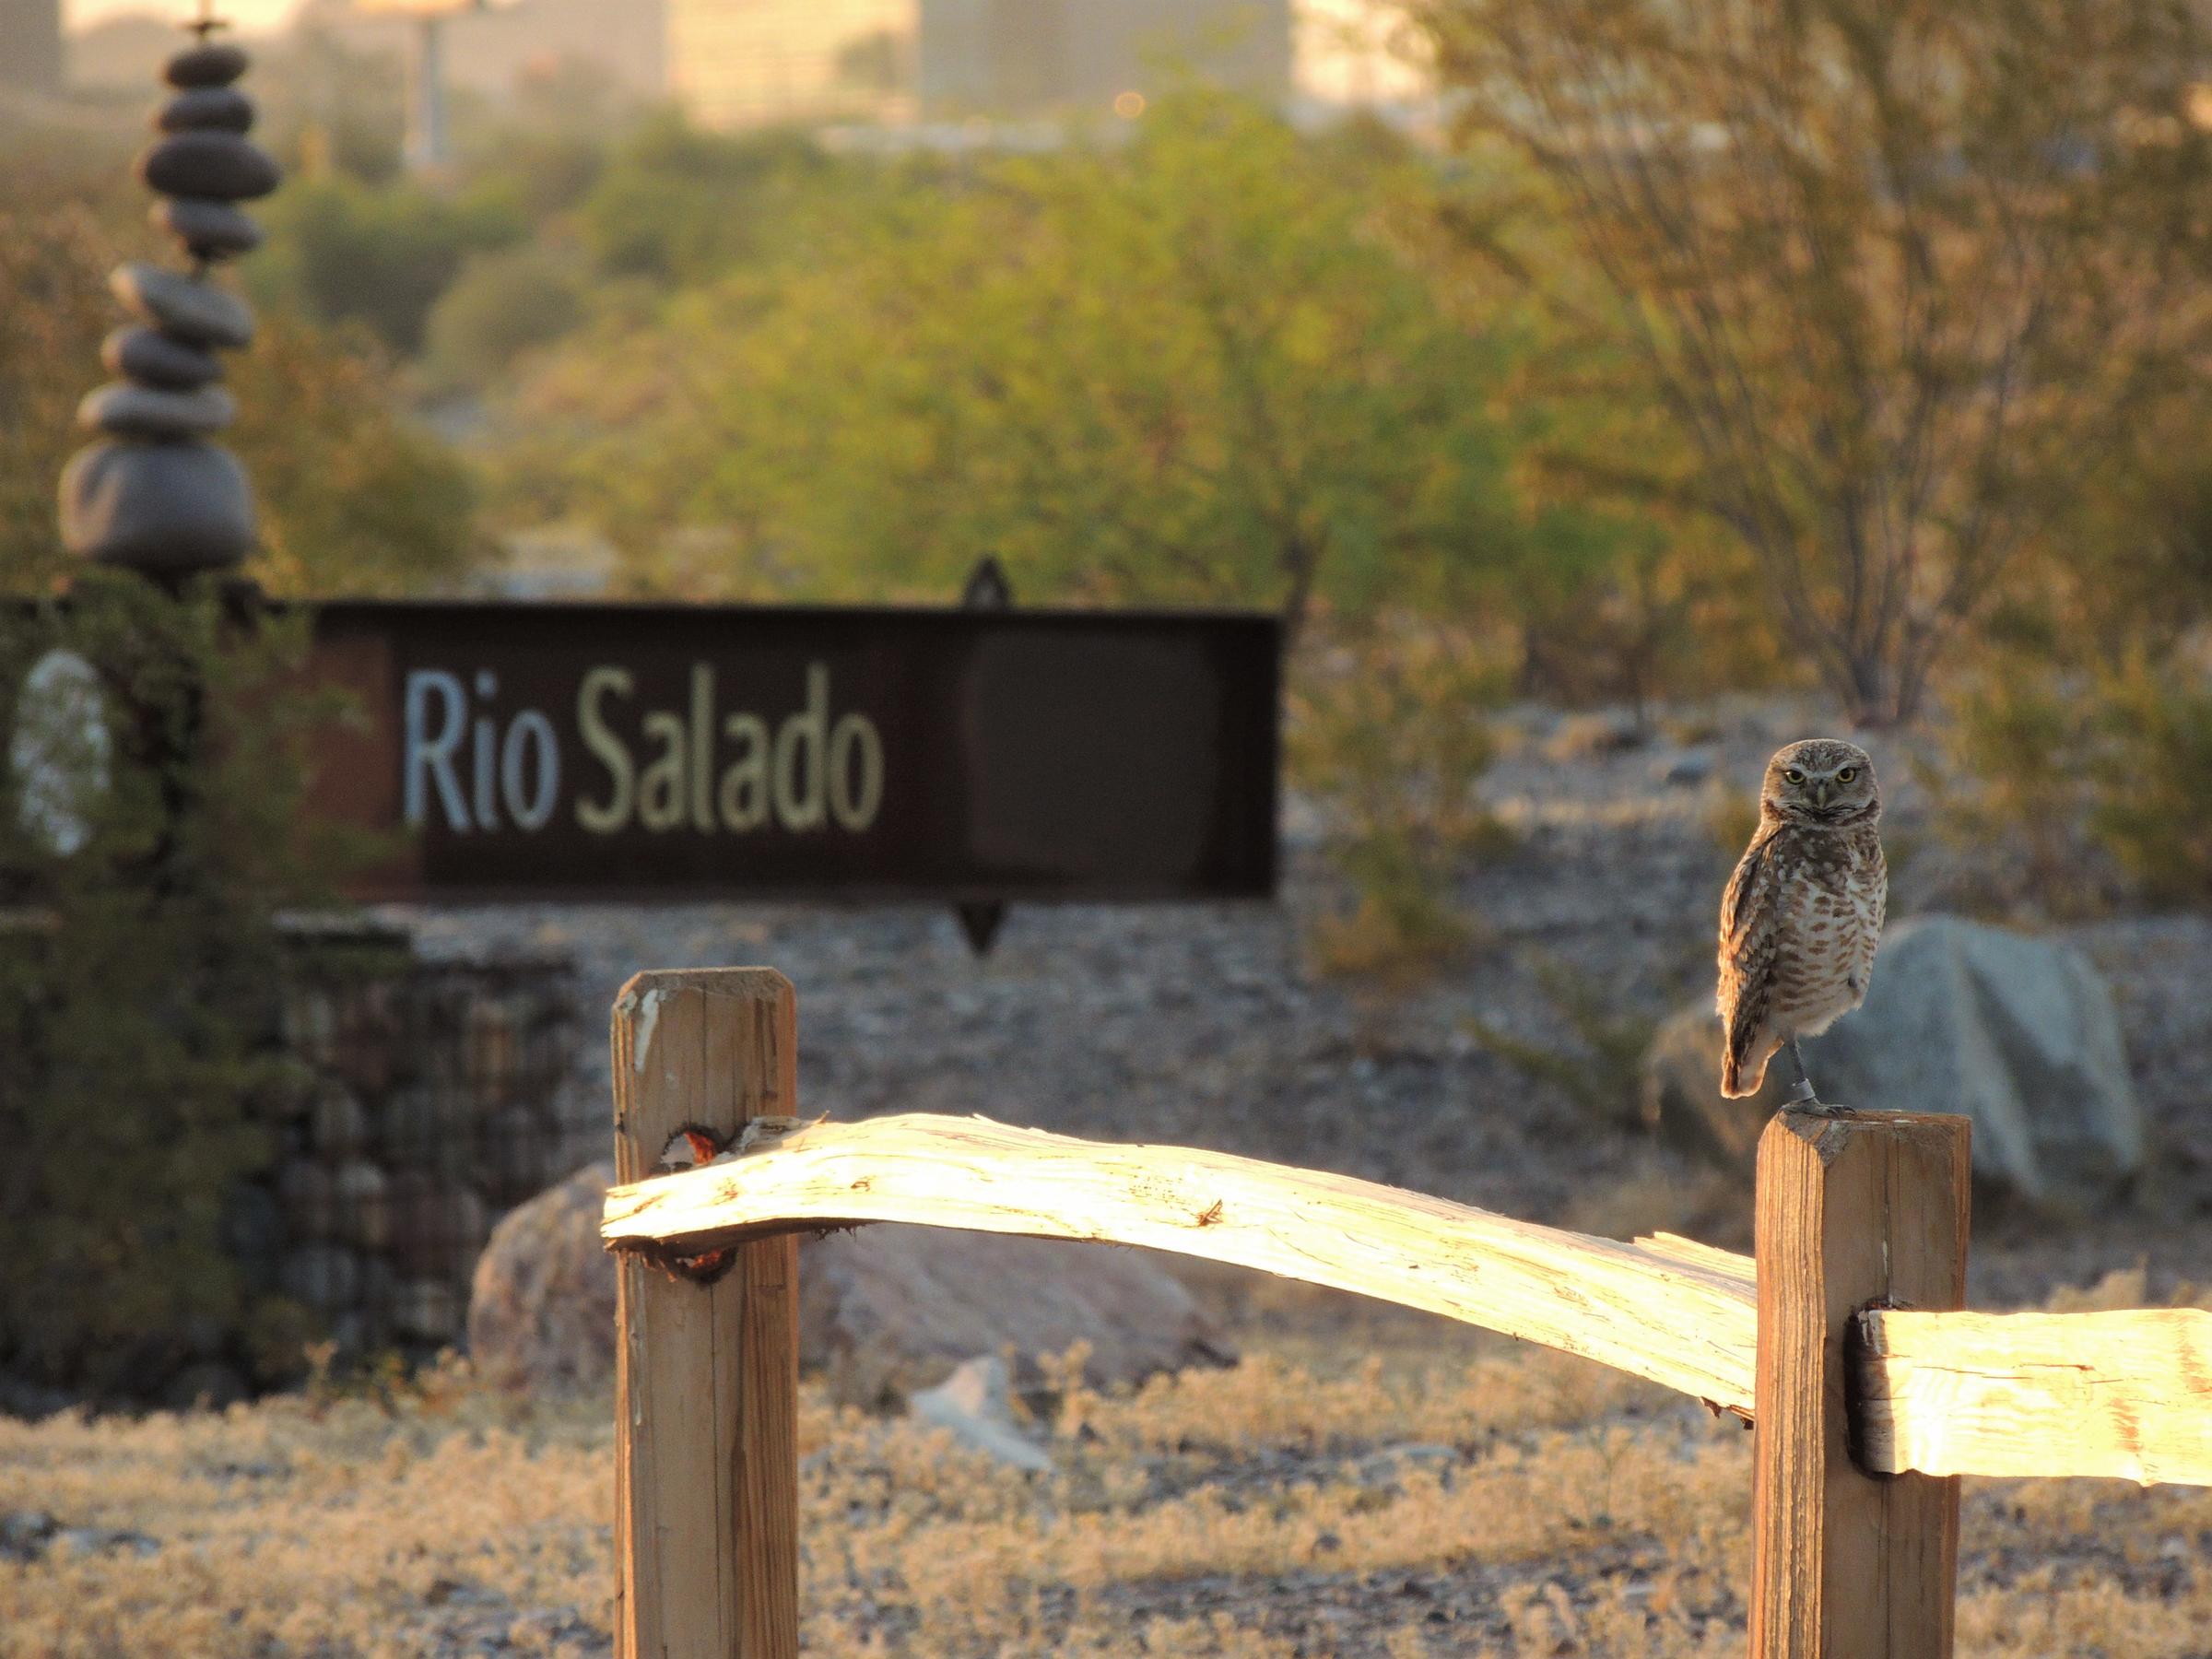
x=1735 y=1086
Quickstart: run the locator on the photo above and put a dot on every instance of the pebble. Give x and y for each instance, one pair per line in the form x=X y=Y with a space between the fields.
x=197 y=311
x=157 y=507
x=206 y=65
x=205 y=109
x=211 y=229
x=222 y=165
x=134 y=411
x=153 y=358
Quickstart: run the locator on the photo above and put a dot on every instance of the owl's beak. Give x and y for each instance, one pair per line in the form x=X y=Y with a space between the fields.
x=1820 y=793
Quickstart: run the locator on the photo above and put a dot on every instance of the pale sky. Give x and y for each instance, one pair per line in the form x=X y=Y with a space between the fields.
x=254 y=15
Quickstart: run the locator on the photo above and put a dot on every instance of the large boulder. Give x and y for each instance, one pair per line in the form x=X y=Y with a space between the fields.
x=541 y=1308
x=884 y=1310
x=2018 y=1033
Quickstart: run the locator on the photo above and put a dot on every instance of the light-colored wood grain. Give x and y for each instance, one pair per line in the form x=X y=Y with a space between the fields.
x=1720 y=1261
x=2126 y=1394
x=706 y=1375
x=1849 y=1210
x=1679 y=1323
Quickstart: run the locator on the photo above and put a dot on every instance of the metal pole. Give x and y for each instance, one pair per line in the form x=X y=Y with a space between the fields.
x=426 y=96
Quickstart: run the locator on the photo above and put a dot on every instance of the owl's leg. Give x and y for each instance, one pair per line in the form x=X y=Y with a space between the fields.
x=1802 y=1098
x=1803 y=1094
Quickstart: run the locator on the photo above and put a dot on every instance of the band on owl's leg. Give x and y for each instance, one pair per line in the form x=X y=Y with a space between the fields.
x=1803 y=1094
x=1802 y=1098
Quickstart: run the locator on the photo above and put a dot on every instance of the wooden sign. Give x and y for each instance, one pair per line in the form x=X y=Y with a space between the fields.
x=570 y=750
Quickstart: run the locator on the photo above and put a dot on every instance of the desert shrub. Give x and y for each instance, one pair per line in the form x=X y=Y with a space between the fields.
x=148 y=833
x=2077 y=788
x=1598 y=1065
x=1389 y=734
x=2153 y=810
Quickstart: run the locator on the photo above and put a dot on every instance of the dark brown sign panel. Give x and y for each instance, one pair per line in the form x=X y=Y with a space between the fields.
x=638 y=750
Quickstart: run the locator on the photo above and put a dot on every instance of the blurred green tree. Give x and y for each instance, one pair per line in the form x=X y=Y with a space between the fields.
x=341 y=250
x=1901 y=275
x=1197 y=367
x=353 y=497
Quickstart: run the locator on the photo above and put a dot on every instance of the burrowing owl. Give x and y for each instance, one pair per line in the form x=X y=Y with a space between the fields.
x=1803 y=913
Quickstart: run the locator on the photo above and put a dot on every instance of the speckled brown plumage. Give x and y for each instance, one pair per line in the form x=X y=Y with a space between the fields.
x=1803 y=913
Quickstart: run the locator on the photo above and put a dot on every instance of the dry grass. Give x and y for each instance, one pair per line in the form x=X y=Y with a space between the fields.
x=1514 y=1504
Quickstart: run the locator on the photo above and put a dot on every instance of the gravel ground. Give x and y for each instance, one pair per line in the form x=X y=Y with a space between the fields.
x=1207 y=1024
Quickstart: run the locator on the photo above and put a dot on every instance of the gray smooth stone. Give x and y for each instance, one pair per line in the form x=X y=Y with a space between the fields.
x=124 y=410
x=222 y=165
x=206 y=65
x=165 y=508
x=205 y=109
x=211 y=229
x=198 y=311
x=153 y=359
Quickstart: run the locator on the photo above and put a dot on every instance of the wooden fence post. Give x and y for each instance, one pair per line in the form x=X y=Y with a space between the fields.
x=1852 y=1210
x=706 y=1368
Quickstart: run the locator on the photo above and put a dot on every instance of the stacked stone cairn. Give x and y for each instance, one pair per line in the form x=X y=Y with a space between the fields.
x=154 y=494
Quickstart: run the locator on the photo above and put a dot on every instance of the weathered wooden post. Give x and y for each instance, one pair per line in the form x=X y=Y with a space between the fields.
x=706 y=1368
x=1853 y=1210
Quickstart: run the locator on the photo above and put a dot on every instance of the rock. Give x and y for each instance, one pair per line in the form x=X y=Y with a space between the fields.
x=24 y=1533
x=323 y=1275
x=198 y=311
x=337 y=1124
x=129 y=411
x=1686 y=771
x=153 y=359
x=976 y=1405
x=310 y=1201
x=210 y=230
x=427 y=1310
x=888 y=1308
x=885 y=1309
x=364 y=1206
x=2018 y=1033
x=541 y=1308
x=206 y=65
x=105 y=1540
x=205 y=109
x=157 y=507
x=218 y=165
x=437 y=1225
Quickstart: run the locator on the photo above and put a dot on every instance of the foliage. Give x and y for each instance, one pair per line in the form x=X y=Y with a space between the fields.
x=1602 y=1069
x=1387 y=736
x=2154 y=805
x=356 y=498
x=500 y=306
x=352 y=497
x=2078 y=740
x=1899 y=276
x=679 y=206
x=53 y=273
x=377 y=255
x=148 y=831
x=1196 y=368
x=1274 y=1508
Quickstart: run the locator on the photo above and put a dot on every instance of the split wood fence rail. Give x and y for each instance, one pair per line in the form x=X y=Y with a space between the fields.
x=1842 y=1340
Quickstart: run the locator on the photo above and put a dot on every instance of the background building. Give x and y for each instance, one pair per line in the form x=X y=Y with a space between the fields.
x=753 y=63
x=30 y=45
x=746 y=62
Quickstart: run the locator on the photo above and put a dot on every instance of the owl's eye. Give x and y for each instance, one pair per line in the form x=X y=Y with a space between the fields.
x=1792 y=776
x=1847 y=774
